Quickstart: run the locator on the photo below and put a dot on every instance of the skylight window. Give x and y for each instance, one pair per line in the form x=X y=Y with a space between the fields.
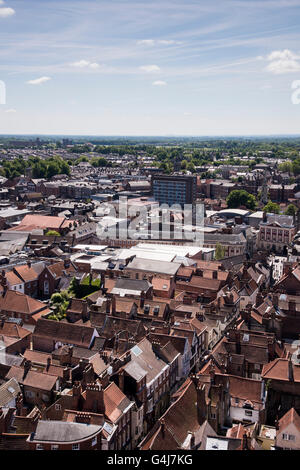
x=136 y=351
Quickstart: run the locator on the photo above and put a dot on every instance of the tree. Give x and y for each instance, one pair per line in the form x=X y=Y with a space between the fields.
x=286 y=167
x=56 y=298
x=291 y=210
x=272 y=208
x=59 y=303
x=219 y=251
x=191 y=167
x=240 y=197
x=52 y=233
x=184 y=164
x=52 y=169
x=74 y=287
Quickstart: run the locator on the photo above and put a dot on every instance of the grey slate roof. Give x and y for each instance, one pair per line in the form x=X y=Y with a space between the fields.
x=132 y=284
x=225 y=238
x=60 y=431
x=162 y=267
x=10 y=359
x=8 y=391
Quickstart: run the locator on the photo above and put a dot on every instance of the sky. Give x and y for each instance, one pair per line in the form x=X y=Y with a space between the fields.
x=150 y=67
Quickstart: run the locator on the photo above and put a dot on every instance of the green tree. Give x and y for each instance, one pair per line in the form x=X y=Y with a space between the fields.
x=272 y=208
x=291 y=210
x=59 y=303
x=191 y=167
x=219 y=251
x=52 y=169
x=240 y=197
x=52 y=233
x=184 y=164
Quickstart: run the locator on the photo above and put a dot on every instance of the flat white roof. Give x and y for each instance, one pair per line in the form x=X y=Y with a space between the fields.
x=90 y=247
x=180 y=250
x=257 y=214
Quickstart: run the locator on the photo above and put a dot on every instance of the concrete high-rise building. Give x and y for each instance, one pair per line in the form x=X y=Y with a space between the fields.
x=174 y=189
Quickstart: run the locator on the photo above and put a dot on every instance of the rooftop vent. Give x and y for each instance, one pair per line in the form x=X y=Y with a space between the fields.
x=147 y=309
x=156 y=310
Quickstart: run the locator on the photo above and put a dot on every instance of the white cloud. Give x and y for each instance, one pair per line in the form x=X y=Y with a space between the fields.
x=284 y=61
x=94 y=65
x=286 y=54
x=38 y=81
x=10 y=110
x=146 y=42
x=187 y=114
x=150 y=68
x=168 y=42
x=5 y=12
x=153 y=42
x=85 y=64
x=159 y=83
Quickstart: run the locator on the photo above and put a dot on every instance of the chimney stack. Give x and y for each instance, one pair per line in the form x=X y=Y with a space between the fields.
x=77 y=389
x=83 y=417
x=121 y=381
x=113 y=306
x=66 y=263
x=245 y=442
x=201 y=403
x=108 y=304
x=259 y=299
x=48 y=363
x=142 y=302
x=27 y=367
x=192 y=440
x=95 y=398
x=290 y=370
x=162 y=426
x=212 y=373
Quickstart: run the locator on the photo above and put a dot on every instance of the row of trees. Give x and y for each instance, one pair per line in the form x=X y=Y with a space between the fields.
x=274 y=208
x=240 y=197
x=40 y=168
x=291 y=167
x=50 y=167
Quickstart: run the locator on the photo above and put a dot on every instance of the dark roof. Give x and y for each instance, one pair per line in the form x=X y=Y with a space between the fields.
x=132 y=284
x=67 y=332
x=33 y=379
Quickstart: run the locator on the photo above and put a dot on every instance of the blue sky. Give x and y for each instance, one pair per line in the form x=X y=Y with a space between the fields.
x=151 y=67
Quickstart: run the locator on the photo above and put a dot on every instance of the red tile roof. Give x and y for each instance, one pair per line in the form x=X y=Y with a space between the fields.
x=65 y=332
x=12 y=279
x=290 y=417
x=246 y=389
x=33 y=379
x=279 y=370
x=20 y=303
x=26 y=273
x=44 y=221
